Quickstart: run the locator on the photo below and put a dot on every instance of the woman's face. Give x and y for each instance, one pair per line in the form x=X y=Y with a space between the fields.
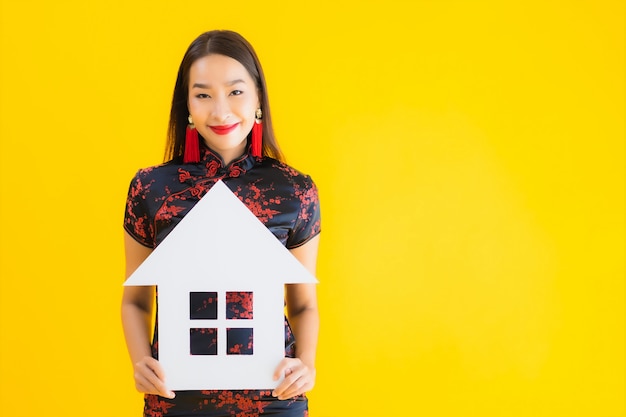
x=222 y=102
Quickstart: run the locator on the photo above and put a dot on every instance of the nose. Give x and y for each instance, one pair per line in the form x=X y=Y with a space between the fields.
x=220 y=111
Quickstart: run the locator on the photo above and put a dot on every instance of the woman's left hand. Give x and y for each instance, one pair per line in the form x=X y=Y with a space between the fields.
x=299 y=378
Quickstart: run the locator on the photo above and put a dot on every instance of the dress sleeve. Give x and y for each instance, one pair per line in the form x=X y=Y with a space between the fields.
x=308 y=222
x=137 y=219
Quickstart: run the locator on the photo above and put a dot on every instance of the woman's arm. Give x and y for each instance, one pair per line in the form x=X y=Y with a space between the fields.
x=137 y=305
x=304 y=320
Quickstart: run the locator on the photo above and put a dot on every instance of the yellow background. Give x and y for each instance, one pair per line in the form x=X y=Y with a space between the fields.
x=470 y=157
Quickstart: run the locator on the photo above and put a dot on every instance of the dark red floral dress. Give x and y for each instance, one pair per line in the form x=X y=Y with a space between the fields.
x=283 y=199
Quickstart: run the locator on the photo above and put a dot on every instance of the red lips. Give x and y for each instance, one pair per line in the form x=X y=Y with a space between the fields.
x=224 y=129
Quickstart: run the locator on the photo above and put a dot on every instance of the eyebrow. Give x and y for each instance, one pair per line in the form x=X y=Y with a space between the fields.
x=229 y=83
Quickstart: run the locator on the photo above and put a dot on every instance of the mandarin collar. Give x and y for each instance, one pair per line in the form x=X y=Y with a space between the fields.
x=211 y=166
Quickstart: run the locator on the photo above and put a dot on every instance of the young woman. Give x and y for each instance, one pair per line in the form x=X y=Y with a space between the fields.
x=220 y=129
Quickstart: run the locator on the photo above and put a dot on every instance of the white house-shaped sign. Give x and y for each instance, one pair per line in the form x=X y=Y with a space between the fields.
x=220 y=275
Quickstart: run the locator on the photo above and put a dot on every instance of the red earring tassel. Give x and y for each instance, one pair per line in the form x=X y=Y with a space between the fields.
x=257 y=139
x=192 y=146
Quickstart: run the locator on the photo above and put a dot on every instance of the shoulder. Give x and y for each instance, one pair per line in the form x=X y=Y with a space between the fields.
x=155 y=172
x=284 y=171
x=298 y=195
x=292 y=184
x=153 y=180
x=158 y=175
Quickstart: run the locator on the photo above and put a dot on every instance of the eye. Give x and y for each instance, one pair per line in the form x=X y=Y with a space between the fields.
x=203 y=95
x=236 y=92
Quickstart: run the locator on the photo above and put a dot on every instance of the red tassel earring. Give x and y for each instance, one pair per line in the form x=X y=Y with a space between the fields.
x=192 y=145
x=257 y=134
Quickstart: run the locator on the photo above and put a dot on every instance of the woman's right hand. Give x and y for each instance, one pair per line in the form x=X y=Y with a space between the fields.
x=137 y=313
x=150 y=378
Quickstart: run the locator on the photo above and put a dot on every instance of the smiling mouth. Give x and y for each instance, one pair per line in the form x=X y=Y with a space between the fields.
x=224 y=129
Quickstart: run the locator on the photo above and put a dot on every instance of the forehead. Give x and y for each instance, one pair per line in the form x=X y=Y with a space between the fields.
x=217 y=69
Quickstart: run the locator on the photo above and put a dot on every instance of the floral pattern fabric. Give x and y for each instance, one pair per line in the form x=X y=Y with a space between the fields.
x=283 y=199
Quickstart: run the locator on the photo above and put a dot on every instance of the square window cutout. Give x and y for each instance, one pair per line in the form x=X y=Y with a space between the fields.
x=239 y=305
x=239 y=341
x=203 y=305
x=203 y=341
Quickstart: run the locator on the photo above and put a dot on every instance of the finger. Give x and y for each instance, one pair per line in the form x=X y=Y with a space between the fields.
x=151 y=377
x=301 y=381
x=297 y=387
x=155 y=367
x=282 y=368
x=144 y=385
x=150 y=386
x=292 y=383
x=294 y=390
x=285 y=369
x=159 y=383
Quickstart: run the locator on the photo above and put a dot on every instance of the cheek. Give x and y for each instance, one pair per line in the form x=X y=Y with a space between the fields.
x=254 y=103
x=196 y=109
x=191 y=106
x=245 y=110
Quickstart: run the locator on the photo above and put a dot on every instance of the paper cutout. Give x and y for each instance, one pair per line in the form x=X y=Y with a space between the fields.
x=220 y=252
